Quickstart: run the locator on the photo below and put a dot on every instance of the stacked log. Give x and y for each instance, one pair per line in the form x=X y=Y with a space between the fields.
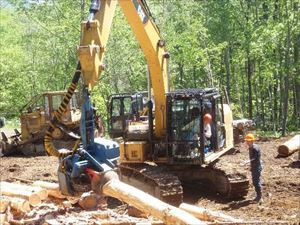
x=240 y=128
x=52 y=188
x=19 y=197
x=42 y=193
x=289 y=147
x=18 y=204
x=14 y=190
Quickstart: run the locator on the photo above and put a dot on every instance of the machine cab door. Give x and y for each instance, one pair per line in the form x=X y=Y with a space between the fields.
x=218 y=126
x=219 y=132
x=123 y=108
x=120 y=111
x=32 y=117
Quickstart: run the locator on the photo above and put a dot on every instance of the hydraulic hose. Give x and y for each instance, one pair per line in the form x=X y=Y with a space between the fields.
x=48 y=139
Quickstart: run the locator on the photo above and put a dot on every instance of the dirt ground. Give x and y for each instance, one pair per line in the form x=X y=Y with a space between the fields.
x=281 y=189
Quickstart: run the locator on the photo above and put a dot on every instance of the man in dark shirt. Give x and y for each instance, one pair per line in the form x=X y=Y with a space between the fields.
x=255 y=165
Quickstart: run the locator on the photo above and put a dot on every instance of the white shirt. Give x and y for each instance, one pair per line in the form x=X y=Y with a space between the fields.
x=207 y=130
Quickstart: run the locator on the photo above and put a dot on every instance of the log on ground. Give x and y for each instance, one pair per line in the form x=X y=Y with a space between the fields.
x=52 y=188
x=289 y=147
x=89 y=200
x=18 y=204
x=207 y=215
x=33 y=198
x=148 y=204
x=4 y=203
x=3 y=218
x=42 y=193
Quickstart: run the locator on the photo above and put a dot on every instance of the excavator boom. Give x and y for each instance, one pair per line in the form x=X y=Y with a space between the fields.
x=95 y=34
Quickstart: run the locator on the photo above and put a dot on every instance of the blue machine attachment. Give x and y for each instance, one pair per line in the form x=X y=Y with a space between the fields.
x=98 y=154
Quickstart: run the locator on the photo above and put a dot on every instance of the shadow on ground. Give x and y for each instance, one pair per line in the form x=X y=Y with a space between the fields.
x=195 y=191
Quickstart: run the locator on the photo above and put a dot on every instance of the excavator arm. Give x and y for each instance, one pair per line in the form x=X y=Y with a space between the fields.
x=95 y=32
x=153 y=47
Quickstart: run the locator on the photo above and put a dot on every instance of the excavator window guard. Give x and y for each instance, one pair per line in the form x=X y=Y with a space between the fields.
x=31 y=104
x=184 y=128
x=56 y=100
x=218 y=129
x=124 y=107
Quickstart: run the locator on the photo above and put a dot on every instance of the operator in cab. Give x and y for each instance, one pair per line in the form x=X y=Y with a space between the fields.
x=207 y=119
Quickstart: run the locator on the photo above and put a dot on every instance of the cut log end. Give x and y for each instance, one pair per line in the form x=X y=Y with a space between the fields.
x=283 y=150
x=289 y=147
x=17 y=190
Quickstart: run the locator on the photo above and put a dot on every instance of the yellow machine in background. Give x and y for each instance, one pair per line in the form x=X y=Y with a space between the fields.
x=34 y=119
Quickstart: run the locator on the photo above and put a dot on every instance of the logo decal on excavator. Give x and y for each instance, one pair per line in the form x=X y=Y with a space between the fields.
x=140 y=11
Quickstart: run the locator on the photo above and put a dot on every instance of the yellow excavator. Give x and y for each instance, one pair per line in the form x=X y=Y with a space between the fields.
x=163 y=149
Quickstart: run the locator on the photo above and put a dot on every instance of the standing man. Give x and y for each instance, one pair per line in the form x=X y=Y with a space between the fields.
x=255 y=165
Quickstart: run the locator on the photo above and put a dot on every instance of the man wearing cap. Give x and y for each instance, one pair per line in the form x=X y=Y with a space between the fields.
x=255 y=165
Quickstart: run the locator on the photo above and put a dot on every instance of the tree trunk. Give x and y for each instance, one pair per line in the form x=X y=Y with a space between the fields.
x=181 y=73
x=297 y=81
x=249 y=78
x=262 y=96
x=289 y=147
x=227 y=68
x=243 y=95
x=275 y=100
x=287 y=74
x=257 y=105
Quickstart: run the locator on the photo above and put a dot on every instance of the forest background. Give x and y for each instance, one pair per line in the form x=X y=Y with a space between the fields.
x=248 y=47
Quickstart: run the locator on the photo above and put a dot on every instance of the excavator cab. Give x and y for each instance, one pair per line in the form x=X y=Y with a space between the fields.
x=186 y=142
x=186 y=132
x=123 y=108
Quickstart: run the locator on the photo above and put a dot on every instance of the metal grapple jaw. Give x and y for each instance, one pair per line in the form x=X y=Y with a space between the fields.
x=90 y=53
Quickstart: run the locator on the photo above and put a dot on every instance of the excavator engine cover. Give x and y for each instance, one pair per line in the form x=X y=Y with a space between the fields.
x=134 y=152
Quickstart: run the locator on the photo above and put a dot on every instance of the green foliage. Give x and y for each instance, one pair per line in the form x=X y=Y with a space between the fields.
x=268 y=134
x=38 y=43
x=210 y=42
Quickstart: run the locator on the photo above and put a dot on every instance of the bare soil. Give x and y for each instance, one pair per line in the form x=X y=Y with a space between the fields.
x=281 y=189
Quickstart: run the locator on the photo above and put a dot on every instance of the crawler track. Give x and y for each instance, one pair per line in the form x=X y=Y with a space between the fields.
x=239 y=186
x=161 y=182
x=153 y=180
x=231 y=186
